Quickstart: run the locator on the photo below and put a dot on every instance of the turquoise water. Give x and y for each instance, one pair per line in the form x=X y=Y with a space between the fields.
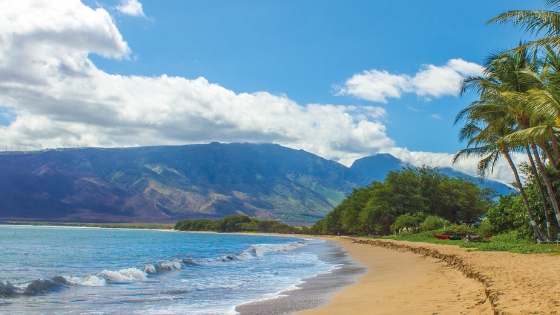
x=54 y=270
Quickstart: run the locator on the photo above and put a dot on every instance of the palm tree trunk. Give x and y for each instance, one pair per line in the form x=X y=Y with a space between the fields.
x=543 y=147
x=549 y=188
x=541 y=191
x=540 y=236
x=555 y=148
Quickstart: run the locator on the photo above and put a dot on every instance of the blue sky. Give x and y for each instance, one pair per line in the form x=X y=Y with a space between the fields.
x=341 y=79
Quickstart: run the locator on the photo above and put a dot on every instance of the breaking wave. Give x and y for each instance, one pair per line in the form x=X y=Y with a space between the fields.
x=132 y=274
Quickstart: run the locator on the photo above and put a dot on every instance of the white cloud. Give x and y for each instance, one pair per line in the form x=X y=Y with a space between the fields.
x=430 y=81
x=131 y=7
x=376 y=86
x=57 y=97
x=501 y=173
x=60 y=98
x=435 y=116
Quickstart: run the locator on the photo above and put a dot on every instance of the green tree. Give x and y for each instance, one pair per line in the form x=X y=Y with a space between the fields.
x=499 y=112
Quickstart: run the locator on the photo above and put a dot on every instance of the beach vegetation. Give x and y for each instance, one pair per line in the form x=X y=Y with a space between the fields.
x=432 y=222
x=405 y=200
x=237 y=223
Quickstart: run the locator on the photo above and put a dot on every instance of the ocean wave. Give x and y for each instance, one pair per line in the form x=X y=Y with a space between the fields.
x=60 y=282
x=132 y=274
x=257 y=251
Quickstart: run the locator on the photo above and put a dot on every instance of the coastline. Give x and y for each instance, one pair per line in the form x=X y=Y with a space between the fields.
x=411 y=277
x=421 y=278
x=314 y=291
x=404 y=283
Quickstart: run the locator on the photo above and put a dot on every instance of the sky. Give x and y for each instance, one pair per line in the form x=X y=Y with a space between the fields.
x=340 y=79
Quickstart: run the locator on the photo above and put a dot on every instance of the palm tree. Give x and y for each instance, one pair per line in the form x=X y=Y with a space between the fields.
x=485 y=139
x=498 y=113
x=542 y=102
x=536 y=21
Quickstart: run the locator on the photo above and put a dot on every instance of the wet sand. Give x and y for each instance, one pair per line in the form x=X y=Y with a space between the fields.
x=315 y=291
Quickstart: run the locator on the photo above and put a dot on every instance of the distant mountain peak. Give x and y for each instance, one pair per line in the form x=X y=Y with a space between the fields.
x=377 y=166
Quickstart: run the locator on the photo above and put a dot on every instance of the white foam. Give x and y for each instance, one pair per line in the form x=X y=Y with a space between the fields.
x=151 y=269
x=174 y=264
x=124 y=275
x=87 y=281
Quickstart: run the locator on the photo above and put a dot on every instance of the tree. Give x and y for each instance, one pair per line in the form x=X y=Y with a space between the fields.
x=498 y=113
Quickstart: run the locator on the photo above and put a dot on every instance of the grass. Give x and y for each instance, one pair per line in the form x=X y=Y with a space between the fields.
x=504 y=242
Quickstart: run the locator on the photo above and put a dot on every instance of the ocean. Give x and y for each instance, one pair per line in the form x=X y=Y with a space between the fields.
x=66 y=270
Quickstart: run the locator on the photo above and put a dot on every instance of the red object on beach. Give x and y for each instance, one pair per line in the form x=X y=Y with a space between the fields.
x=442 y=237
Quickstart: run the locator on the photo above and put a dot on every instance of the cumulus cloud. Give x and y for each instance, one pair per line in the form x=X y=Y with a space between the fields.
x=131 y=7
x=55 y=96
x=501 y=173
x=60 y=98
x=430 y=81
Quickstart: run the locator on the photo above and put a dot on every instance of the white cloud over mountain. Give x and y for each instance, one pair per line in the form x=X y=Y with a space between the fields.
x=56 y=96
x=61 y=98
x=430 y=81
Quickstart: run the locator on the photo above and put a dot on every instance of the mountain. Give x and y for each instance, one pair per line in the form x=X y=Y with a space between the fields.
x=168 y=183
x=377 y=166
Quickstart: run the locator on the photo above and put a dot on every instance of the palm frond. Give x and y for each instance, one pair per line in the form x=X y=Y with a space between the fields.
x=534 y=21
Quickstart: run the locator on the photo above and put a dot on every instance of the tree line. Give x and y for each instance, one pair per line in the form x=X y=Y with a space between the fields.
x=237 y=223
x=406 y=199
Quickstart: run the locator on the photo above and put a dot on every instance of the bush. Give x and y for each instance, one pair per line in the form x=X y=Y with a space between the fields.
x=462 y=229
x=431 y=223
x=405 y=224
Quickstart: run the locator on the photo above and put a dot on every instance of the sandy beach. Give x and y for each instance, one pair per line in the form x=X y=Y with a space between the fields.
x=421 y=278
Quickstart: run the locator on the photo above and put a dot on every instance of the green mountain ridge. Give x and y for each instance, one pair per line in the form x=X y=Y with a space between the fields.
x=165 y=184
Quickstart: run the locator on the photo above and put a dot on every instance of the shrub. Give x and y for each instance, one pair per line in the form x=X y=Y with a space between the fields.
x=405 y=223
x=462 y=229
x=431 y=223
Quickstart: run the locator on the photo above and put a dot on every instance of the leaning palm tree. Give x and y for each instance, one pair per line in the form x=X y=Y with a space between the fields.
x=543 y=102
x=485 y=140
x=536 y=21
x=499 y=103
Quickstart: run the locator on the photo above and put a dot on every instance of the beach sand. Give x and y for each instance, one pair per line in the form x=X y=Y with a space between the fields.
x=420 y=278
x=405 y=283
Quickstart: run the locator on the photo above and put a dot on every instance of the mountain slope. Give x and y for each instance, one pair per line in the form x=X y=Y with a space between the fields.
x=169 y=183
x=377 y=166
x=164 y=184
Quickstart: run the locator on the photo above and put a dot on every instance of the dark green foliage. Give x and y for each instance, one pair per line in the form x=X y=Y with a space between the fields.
x=237 y=223
x=459 y=229
x=432 y=222
x=508 y=215
x=196 y=225
x=407 y=223
x=411 y=193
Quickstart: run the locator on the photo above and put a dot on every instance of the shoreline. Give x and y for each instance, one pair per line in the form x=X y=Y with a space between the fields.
x=311 y=292
x=404 y=283
x=422 y=278
x=463 y=280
